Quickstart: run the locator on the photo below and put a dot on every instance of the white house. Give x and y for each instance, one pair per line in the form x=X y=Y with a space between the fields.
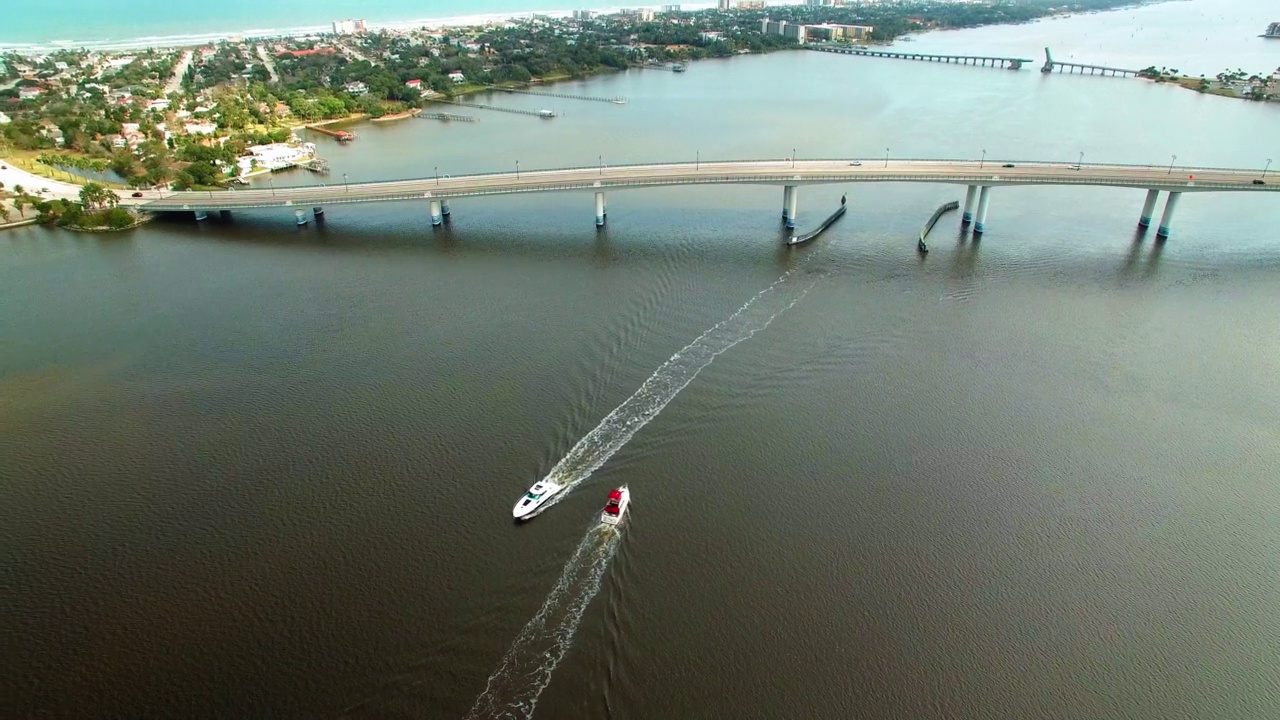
x=158 y=104
x=414 y=84
x=457 y=76
x=5 y=119
x=29 y=93
x=200 y=128
x=275 y=156
x=356 y=87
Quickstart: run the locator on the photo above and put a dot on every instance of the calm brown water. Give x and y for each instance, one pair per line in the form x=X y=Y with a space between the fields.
x=248 y=470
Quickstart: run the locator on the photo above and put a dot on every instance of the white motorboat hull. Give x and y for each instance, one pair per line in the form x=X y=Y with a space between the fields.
x=537 y=499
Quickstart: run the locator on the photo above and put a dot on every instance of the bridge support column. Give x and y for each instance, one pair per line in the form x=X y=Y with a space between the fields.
x=318 y=212
x=984 y=197
x=1167 y=218
x=969 y=197
x=444 y=208
x=787 y=190
x=792 y=199
x=436 y=217
x=225 y=214
x=300 y=217
x=1144 y=221
x=201 y=215
x=599 y=209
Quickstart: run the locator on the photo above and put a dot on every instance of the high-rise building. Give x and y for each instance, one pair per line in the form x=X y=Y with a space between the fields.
x=347 y=27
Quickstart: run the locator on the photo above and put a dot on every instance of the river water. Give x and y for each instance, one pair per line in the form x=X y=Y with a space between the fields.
x=252 y=470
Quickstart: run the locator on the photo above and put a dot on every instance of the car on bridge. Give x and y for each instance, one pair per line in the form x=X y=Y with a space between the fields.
x=1007 y=165
x=1259 y=182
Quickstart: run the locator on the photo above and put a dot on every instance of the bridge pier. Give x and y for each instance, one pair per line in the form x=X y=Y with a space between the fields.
x=1167 y=218
x=787 y=190
x=444 y=208
x=201 y=215
x=318 y=213
x=792 y=197
x=436 y=217
x=969 y=196
x=225 y=215
x=599 y=209
x=300 y=217
x=984 y=198
x=1144 y=221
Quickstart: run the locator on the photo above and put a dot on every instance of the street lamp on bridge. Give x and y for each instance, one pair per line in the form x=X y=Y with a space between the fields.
x=436 y=170
x=273 y=186
x=886 y=157
x=517 y=169
x=1080 y=161
x=1171 y=162
x=983 y=161
x=793 y=157
x=345 y=186
x=602 y=164
x=1265 y=169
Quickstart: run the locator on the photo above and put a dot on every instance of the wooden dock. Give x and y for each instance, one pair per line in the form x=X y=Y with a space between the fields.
x=567 y=96
x=448 y=117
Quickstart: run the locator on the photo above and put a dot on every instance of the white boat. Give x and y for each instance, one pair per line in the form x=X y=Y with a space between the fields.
x=616 y=506
x=527 y=506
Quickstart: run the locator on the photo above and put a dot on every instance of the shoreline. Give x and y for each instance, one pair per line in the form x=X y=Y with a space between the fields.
x=168 y=42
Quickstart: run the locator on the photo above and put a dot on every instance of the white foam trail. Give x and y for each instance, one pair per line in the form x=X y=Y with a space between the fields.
x=513 y=689
x=671 y=377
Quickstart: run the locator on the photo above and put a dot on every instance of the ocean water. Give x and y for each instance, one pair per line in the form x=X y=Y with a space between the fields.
x=94 y=21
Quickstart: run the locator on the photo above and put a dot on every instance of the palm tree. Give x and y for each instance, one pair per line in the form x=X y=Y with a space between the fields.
x=20 y=203
x=4 y=214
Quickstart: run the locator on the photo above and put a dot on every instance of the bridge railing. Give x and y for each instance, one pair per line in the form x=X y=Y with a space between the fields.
x=866 y=161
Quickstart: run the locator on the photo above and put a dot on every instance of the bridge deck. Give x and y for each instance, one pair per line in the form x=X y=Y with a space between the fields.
x=772 y=172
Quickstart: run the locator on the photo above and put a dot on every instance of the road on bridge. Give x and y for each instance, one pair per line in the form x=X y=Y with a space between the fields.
x=773 y=172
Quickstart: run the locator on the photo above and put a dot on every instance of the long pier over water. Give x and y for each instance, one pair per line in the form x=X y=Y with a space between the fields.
x=984 y=60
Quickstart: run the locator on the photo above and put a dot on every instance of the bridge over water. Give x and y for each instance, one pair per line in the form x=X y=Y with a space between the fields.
x=985 y=60
x=1069 y=67
x=980 y=177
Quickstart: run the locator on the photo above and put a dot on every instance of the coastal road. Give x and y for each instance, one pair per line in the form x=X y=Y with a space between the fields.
x=179 y=71
x=268 y=62
x=771 y=172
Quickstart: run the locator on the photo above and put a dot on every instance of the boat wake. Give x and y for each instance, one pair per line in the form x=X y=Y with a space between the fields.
x=597 y=446
x=513 y=689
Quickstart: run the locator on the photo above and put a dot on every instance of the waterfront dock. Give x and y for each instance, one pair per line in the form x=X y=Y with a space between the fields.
x=339 y=135
x=544 y=114
x=448 y=117
x=566 y=96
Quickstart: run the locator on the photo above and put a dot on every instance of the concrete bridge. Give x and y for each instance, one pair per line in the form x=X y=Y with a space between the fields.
x=1050 y=65
x=1011 y=63
x=980 y=177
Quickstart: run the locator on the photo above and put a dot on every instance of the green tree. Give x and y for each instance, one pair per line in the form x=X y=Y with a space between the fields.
x=94 y=196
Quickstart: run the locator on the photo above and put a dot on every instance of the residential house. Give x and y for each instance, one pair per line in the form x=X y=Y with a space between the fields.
x=200 y=128
x=457 y=77
x=414 y=84
x=158 y=104
x=30 y=92
x=356 y=87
